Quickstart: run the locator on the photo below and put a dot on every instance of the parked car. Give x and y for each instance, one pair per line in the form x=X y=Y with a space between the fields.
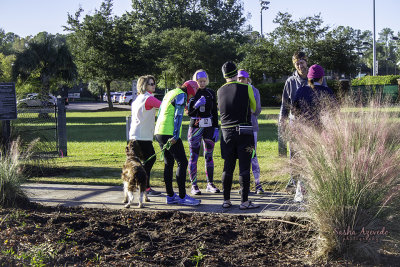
x=33 y=100
x=111 y=94
x=126 y=98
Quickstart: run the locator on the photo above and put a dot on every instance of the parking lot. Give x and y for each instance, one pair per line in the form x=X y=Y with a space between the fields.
x=92 y=106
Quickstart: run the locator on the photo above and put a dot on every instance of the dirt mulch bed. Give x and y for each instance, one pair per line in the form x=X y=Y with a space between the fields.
x=59 y=236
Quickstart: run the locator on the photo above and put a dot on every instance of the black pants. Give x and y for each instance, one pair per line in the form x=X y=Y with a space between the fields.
x=236 y=147
x=176 y=152
x=147 y=150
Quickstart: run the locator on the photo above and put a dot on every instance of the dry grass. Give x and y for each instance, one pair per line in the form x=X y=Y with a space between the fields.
x=351 y=167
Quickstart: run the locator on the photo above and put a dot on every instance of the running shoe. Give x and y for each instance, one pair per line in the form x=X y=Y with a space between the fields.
x=259 y=190
x=173 y=200
x=152 y=192
x=189 y=201
x=212 y=188
x=195 y=190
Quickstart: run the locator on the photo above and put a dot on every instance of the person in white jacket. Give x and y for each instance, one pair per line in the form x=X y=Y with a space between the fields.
x=143 y=121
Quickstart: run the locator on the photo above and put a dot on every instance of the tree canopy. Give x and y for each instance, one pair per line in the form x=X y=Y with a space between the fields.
x=46 y=59
x=104 y=46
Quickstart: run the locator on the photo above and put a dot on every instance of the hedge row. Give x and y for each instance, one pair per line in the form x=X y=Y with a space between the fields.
x=375 y=80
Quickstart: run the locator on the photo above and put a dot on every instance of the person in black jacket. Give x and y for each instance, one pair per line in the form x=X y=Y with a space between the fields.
x=203 y=113
x=235 y=103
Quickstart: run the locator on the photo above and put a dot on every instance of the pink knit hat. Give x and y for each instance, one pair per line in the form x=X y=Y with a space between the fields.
x=315 y=72
x=191 y=87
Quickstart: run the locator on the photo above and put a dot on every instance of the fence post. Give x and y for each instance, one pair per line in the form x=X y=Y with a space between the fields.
x=128 y=127
x=61 y=127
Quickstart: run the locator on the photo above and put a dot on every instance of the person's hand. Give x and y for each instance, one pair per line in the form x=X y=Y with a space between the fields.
x=216 y=135
x=172 y=141
x=200 y=102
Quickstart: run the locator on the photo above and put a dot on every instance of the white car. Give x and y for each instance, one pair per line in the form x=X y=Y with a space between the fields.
x=33 y=100
x=126 y=98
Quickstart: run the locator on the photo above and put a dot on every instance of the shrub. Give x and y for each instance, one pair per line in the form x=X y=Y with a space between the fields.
x=351 y=168
x=270 y=93
x=11 y=177
x=375 y=80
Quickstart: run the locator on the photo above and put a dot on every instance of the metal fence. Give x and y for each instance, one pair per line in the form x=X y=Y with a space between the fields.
x=33 y=123
x=389 y=92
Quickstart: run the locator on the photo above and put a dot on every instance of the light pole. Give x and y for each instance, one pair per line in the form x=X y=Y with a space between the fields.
x=373 y=44
x=264 y=6
x=398 y=63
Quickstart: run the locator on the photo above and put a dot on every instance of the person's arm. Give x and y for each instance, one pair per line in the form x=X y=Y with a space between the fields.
x=180 y=103
x=251 y=98
x=190 y=107
x=258 y=101
x=214 y=111
x=152 y=102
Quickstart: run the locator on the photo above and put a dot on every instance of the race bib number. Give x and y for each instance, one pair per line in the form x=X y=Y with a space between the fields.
x=205 y=122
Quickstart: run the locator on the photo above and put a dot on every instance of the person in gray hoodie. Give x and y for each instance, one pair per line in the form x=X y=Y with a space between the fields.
x=294 y=82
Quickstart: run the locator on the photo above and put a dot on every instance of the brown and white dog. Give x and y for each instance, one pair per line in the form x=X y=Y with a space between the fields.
x=134 y=175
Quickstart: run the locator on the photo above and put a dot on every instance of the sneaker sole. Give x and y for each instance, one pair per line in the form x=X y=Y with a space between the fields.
x=210 y=191
x=192 y=204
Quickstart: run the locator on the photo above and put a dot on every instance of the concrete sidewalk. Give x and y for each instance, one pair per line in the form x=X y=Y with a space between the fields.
x=272 y=204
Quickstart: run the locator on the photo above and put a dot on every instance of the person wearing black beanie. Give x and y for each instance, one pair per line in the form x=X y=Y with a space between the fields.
x=235 y=103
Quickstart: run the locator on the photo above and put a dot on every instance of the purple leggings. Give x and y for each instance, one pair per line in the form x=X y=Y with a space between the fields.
x=195 y=135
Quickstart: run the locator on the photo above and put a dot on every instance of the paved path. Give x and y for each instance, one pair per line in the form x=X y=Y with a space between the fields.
x=93 y=196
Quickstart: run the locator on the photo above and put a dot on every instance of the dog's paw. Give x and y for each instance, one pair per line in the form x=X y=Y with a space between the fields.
x=128 y=206
x=125 y=201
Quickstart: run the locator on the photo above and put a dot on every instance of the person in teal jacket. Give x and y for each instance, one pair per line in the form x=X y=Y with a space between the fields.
x=168 y=131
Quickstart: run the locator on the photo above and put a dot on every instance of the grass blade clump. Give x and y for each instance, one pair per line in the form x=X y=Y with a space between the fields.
x=11 y=176
x=351 y=167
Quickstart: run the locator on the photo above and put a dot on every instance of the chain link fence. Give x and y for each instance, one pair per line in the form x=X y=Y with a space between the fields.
x=37 y=123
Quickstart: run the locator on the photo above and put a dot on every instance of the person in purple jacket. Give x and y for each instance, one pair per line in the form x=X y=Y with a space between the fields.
x=244 y=77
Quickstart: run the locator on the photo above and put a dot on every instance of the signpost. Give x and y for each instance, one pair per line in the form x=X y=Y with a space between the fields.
x=8 y=110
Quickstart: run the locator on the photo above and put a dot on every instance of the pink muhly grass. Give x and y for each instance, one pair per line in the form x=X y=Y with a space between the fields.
x=351 y=168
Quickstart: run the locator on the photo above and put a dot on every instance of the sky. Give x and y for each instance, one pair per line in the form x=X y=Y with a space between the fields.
x=29 y=17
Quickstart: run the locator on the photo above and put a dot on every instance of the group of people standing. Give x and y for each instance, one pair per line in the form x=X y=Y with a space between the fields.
x=238 y=103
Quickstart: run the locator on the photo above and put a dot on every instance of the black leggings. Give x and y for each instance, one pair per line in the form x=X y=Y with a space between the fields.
x=236 y=147
x=176 y=152
x=147 y=150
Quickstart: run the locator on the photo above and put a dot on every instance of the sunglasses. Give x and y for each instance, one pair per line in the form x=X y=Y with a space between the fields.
x=151 y=84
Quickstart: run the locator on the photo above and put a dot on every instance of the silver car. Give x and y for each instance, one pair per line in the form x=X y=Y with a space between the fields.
x=33 y=100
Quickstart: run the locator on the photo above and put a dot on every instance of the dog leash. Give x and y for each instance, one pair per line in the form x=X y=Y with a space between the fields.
x=166 y=146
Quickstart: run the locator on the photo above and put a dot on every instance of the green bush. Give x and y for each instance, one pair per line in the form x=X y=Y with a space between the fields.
x=270 y=93
x=375 y=80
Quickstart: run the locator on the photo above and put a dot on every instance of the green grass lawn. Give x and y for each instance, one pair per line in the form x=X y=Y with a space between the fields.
x=96 y=151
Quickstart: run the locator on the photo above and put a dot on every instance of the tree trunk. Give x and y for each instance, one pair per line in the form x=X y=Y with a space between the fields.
x=109 y=100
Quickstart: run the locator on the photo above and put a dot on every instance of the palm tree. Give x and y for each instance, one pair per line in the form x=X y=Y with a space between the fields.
x=47 y=59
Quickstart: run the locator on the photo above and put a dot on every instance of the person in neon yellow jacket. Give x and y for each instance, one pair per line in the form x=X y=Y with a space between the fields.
x=168 y=131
